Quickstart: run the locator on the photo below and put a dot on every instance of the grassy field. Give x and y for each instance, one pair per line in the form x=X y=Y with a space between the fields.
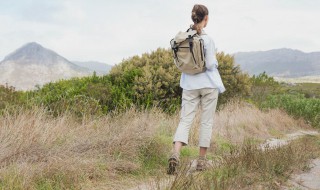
x=39 y=151
x=83 y=133
x=246 y=166
x=310 y=90
x=306 y=79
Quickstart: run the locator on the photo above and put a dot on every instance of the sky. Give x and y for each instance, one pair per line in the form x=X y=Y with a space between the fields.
x=112 y=30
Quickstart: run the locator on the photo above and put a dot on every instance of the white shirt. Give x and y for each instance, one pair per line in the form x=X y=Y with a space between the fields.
x=211 y=77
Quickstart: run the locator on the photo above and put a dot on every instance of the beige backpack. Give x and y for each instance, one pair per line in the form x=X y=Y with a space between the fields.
x=188 y=52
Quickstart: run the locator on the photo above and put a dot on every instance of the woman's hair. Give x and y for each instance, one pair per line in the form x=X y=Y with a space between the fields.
x=197 y=16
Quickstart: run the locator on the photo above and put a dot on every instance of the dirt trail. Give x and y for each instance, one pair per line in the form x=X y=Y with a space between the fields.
x=274 y=142
x=305 y=181
x=309 y=180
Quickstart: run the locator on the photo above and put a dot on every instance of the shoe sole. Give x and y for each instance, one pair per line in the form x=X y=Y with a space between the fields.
x=173 y=163
x=200 y=170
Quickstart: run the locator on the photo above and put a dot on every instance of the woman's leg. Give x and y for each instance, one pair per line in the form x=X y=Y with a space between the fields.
x=203 y=151
x=190 y=104
x=209 y=98
x=177 y=147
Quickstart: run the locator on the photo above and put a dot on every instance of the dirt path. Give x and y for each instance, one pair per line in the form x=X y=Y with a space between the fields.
x=274 y=142
x=309 y=180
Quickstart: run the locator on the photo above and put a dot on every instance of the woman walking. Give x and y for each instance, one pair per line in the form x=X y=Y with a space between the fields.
x=199 y=89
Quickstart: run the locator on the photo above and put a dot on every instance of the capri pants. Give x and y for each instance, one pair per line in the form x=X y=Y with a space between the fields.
x=191 y=99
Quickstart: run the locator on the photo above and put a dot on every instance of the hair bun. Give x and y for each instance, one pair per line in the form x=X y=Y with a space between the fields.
x=195 y=17
x=198 y=13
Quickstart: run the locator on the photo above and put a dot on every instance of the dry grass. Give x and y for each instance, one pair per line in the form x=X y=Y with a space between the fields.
x=248 y=167
x=43 y=152
x=239 y=120
x=40 y=151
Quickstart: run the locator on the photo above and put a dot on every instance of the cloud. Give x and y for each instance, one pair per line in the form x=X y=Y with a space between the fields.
x=109 y=31
x=32 y=10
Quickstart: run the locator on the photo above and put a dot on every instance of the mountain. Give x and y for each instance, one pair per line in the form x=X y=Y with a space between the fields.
x=33 y=65
x=280 y=62
x=100 y=68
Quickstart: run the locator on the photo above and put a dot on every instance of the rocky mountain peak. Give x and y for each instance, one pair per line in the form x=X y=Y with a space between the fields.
x=34 y=53
x=32 y=64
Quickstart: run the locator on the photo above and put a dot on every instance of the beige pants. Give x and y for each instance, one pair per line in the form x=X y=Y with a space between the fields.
x=207 y=98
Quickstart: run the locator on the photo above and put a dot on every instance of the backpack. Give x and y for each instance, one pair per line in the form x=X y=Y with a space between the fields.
x=188 y=52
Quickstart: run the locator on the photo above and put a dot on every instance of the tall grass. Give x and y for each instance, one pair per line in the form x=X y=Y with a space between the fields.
x=296 y=105
x=238 y=121
x=39 y=151
x=247 y=166
x=42 y=152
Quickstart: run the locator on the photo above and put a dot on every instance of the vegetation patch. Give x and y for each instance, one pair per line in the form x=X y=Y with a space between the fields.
x=247 y=166
x=296 y=105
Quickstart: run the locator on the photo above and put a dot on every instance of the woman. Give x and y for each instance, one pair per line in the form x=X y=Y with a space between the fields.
x=200 y=89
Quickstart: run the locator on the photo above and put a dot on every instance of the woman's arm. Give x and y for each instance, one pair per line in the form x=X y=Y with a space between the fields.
x=210 y=54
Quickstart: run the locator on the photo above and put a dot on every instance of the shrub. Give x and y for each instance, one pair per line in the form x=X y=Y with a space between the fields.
x=82 y=96
x=236 y=82
x=9 y=97
x=153 y=80
x=296 y=105
x=150 y=80
x=262 y=86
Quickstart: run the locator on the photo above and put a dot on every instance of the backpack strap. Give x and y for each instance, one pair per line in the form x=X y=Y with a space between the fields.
x=190 y=39
x=202 y=31
x=191 y=29
x=174 y=47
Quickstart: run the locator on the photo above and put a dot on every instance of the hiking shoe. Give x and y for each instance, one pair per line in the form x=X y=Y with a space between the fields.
x=203 y=164
x=173 y=164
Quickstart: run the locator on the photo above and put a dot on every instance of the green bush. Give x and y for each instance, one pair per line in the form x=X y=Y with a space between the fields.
x=153 y=80
x=263 y=85
x=310 y=90
x=82 y=96
x=150 y=80
x=9 y=97
x=236 y=82
x=296 y=105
